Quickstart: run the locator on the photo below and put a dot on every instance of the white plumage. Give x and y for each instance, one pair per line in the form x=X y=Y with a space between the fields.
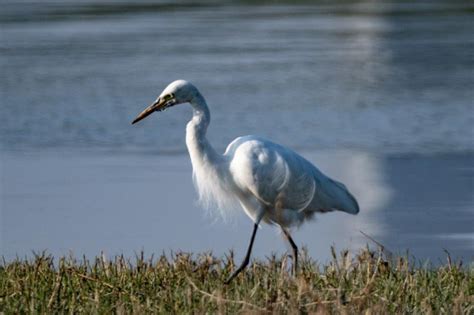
x=271 y=182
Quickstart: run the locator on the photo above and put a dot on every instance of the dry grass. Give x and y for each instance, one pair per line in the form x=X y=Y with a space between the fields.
x=366 y=283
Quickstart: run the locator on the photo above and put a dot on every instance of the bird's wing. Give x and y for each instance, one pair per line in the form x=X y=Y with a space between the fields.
x=279 y=177
x=299 y=189
x=275 y=175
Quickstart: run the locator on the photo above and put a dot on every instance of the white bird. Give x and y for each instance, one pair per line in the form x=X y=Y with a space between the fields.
x=271 y=182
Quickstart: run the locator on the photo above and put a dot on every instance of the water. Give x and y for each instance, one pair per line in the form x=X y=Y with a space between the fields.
x=377 y=94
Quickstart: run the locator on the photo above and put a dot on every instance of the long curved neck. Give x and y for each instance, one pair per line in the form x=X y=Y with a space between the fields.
x=199 y=147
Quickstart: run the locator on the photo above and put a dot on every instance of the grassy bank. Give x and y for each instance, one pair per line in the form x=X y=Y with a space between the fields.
x=194 y=284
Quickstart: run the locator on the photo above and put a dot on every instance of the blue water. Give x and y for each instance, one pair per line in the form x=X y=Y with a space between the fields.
x=381 y=77
x=378 y=94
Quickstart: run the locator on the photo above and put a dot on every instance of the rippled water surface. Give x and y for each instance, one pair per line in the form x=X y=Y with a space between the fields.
x=378 y=94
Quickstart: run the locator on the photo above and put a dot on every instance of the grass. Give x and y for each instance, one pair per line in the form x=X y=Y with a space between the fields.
x=184 y=283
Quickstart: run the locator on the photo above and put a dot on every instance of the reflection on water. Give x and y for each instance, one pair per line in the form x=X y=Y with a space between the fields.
x=364 y=174
x=124 y=203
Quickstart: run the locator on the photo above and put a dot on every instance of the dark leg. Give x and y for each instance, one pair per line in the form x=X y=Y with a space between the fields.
x=246 y=260
x=295 y=250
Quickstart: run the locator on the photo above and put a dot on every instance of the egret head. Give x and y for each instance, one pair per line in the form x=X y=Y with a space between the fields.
x=177 y=92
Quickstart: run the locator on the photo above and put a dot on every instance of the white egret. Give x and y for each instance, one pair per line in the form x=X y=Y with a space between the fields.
x=271 y=182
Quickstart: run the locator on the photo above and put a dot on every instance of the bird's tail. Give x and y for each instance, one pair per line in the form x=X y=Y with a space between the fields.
x=342 y=199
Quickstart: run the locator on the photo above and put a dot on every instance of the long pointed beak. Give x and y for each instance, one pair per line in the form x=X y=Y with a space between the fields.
x=157 y=105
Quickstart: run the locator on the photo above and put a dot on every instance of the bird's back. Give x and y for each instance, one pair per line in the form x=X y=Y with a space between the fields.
x=281 y=178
